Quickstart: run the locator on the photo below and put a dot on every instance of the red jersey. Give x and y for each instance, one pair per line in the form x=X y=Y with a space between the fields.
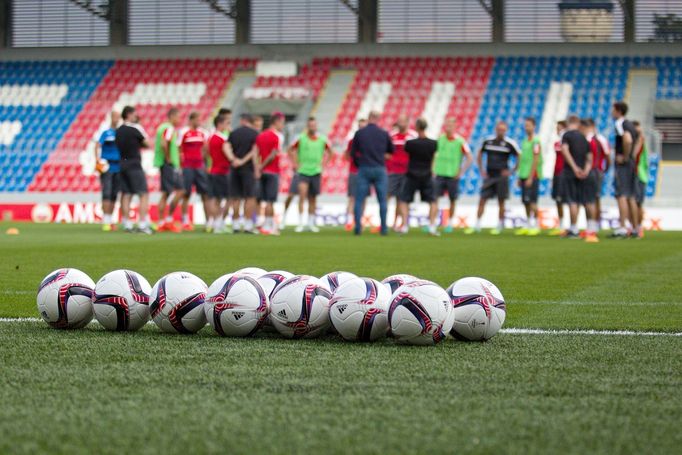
x=191 y=148
x=600 y=148
x=559 y=162
x=267 y=142
x=397 y=164
x=219 y=162
x=353 y=167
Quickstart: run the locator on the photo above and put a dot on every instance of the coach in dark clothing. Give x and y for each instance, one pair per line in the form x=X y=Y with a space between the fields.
x=370 y=146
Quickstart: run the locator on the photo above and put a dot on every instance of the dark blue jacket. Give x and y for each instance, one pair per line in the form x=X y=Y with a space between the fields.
x=370 y=145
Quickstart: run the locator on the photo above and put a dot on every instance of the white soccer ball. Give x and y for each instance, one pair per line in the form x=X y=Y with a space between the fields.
x=121 y=300
x=420 y=313
x=359 y=309
x=479 y=309
x=299 y=307
x=393 y=282
x=236 y=305
x=177 y=303
x=65 y=299
x=253 y=271
x=333 y=280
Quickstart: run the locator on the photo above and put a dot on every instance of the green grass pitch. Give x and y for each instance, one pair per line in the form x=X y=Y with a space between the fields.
x=91 y=391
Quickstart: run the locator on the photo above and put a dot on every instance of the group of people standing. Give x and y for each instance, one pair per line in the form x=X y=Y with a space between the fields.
x=236 y=172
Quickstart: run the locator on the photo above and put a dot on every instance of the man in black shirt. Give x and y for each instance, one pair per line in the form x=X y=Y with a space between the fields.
x=419 y=177
x=578 y=182
x=130 y=139
x=498 y=149
x=624 y=169
x=244 y=175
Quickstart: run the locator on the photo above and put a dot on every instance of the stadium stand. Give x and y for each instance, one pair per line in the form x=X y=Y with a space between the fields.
x=38 y=103
x=46 y=126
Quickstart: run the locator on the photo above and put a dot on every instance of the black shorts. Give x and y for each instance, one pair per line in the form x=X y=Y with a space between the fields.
x=313 y=181
x=530 y=195
x=219 y=186
x=395 y=184
x=558 y=188
x=495 y=187
x=580 y=191
x=640 y=191
x=624 y=180
x=133 y=180
x=194 y=177
x=111 y=185
x=443 y=184
x=425 y=186
x=171 y=178
x=269 y=187
x=242 y=183
x=293 y=186
x=352 y=183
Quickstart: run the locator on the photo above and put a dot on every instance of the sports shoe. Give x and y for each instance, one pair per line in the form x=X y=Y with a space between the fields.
x=591 y=238
x=188 y=227
x=299 y=228
x=448 y=229
x=533 y=232
x=469 y=231
x=172 y=227
x=128 y=229
x=571 y=235
x=349 y=226
x=375 y=229
x=145 y=230
x=521 y=231
x=313 y=228
x=618 y=235
x=495 y=231
x=264 y=231
x=434 y=233
x=107 y=227
x=555 y=232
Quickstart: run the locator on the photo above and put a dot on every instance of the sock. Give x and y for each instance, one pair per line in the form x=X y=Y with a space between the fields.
x=185 y=219
x=248 y=224
x=592 y=226
x=532 y=222
x=127 y=224
x=562 y=224
x=143 y=224
x=269 y=223
x=106 y=219
x=210 y=221
x=573 y=229
x=500 y=225
x=311 y=220
x=169 y=219
x=478 y=224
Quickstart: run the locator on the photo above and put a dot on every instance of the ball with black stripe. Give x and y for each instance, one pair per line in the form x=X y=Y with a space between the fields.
x=65 y=299
x=121 y=301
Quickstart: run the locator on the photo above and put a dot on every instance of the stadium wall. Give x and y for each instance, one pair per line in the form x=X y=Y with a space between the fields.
x=294 y=51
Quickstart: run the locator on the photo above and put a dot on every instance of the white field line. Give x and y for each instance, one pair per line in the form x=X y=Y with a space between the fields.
x=510 y=331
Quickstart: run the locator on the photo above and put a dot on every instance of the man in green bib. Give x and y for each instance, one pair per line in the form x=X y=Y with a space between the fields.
x=167 y=159
x=641 y=174
x=308 y=155
x=448 y=167
x=530 y=174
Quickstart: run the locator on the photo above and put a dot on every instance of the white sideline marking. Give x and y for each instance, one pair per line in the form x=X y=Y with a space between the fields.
x=510 y=331
x=516 y=331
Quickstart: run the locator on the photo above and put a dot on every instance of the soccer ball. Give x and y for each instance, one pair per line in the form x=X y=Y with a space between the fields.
x=236 y=305
x=333 y=280
x=65 y=299
x=121 y=300
x=420 y=313
x=479 y=309
x=393 y=282
x=177 y=303
x=253 y=271
x=299 y=307
x=270 y=280
x=359 y=309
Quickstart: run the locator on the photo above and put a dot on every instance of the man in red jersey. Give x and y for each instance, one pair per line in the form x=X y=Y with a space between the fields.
x=558 y=190
x=218 y=178
x=396 y=165
x=269 y=144
x=352 y=181
x=192 y=150
x=601 y=161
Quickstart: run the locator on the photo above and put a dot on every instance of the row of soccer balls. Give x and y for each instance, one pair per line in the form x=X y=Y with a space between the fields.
x=409 y=309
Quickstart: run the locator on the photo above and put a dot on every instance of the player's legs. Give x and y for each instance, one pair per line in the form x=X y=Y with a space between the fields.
x=362 y=191
x=501 y=210
x=479 y=215
x=380 y=186
x=303 y=186
x=125 y=211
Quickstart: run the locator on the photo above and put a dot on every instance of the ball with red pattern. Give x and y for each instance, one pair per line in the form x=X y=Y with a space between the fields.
x=177 y=303
x=121 y=301
x=65 y=299
x=479 y=309
x=359 y=309
x=299 y=307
